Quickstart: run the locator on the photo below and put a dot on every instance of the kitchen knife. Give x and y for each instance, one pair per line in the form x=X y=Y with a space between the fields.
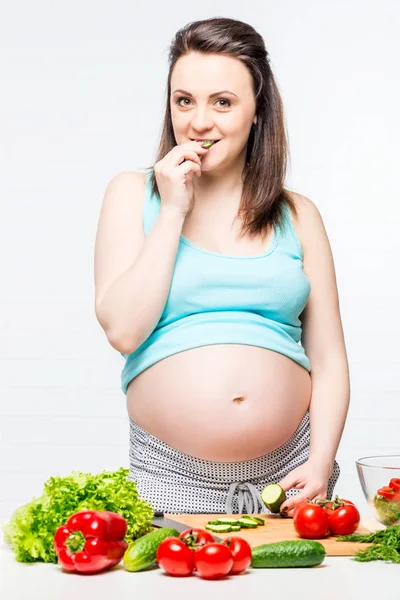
x=159 y=520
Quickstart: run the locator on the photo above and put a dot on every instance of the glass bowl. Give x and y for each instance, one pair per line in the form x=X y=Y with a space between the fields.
x=376 y=475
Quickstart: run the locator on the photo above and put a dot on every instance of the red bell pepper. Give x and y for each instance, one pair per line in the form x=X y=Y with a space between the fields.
x=395 y=484
x=389 y=493
x=91 y=541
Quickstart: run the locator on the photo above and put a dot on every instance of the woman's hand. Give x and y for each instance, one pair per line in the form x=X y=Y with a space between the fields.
x=312 y=478
x=174 y=176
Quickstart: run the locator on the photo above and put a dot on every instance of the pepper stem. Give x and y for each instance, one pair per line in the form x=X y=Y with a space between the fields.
x=75 y=542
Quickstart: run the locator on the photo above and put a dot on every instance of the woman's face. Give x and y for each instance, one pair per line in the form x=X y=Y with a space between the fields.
x=200 y=110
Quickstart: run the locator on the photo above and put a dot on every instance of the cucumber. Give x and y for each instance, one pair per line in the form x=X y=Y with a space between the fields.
x=252 y=518
x=273 y=496
x=207 y=143
x=290 y=553
x=219 y=528
x=228 y=521
x=141 y=554
x=247 y=523
x=230 y=524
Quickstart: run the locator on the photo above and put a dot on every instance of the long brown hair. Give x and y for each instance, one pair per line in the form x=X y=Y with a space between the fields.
x=267 y=149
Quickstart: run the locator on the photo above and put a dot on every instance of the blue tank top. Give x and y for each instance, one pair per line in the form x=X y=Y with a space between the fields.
x=219 y=299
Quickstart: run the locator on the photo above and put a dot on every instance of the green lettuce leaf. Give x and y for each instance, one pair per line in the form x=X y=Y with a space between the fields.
x=388 y=512
x=30 y=531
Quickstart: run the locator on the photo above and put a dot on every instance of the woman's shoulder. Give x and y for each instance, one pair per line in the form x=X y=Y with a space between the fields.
x=303 y=205
x=127 y=180
x=307 y=220
x=126 y=189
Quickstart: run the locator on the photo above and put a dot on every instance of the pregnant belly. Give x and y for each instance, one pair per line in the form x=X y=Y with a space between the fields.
x=224 y=403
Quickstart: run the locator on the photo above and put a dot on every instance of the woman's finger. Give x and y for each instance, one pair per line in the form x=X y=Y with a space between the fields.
x=287 y=507
x=308 y=493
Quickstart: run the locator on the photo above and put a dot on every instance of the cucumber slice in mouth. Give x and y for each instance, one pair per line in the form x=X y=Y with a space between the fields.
x=208 y=143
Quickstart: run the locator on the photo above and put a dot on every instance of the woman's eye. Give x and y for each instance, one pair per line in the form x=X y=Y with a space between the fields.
x=179 y=101
x=226 y=105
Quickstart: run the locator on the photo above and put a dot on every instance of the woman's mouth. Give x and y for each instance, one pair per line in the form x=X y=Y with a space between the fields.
x=207 y=143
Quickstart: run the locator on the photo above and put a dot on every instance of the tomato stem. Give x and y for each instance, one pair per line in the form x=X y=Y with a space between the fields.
x=191 y=541
x=335 y=503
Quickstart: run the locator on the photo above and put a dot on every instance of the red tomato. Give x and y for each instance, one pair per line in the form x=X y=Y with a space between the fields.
x=175 y=557
x=311 y=521
x=343 y=520
x=299 y=505
x=196 y=537
x=395 y=484
x=213 y=560
x=241 y=553
x=200 y=536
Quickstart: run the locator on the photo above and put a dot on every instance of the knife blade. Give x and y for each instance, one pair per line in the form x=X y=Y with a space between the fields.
x=159 y=520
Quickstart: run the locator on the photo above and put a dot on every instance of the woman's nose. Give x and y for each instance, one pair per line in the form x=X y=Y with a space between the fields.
x=202 y=121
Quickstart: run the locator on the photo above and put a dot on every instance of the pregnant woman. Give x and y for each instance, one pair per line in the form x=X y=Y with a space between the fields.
x=218 y=287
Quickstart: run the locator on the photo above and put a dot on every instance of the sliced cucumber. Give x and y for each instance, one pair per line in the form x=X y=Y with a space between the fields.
x=290 y=553
x=207 y=143
x=228 y=521
x=247 y=524
x=252 y=518
x=249 y=520
x=230 y=524
x=273 y=496
x=219 y=528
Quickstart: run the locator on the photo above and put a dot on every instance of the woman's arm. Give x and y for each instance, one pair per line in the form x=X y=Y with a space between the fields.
x=132 y=272
x=323 y=338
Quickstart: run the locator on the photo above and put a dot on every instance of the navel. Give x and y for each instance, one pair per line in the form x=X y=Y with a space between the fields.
x=238 y=399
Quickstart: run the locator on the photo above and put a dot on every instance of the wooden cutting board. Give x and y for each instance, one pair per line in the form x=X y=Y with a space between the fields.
x=277 y=529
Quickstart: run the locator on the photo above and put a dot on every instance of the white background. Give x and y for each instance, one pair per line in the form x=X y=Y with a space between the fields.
x=83 y=92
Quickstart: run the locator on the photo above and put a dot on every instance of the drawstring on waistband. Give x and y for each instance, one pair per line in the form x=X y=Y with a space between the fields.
x=248 y=495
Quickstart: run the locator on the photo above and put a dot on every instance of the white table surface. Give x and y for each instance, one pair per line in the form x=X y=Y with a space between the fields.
x=337 y=578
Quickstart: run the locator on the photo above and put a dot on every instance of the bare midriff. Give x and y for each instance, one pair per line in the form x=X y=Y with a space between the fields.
x=224 y=403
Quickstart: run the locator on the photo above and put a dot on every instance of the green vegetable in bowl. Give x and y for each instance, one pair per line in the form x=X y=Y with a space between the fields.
x=387 y=511
x=30 y=531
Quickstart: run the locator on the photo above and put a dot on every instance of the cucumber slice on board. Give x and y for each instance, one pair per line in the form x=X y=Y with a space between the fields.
x=219 y=528
x=273 y=496
x=228 y=521
x=248 y=519
x=247 y=524
x=253 y=518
